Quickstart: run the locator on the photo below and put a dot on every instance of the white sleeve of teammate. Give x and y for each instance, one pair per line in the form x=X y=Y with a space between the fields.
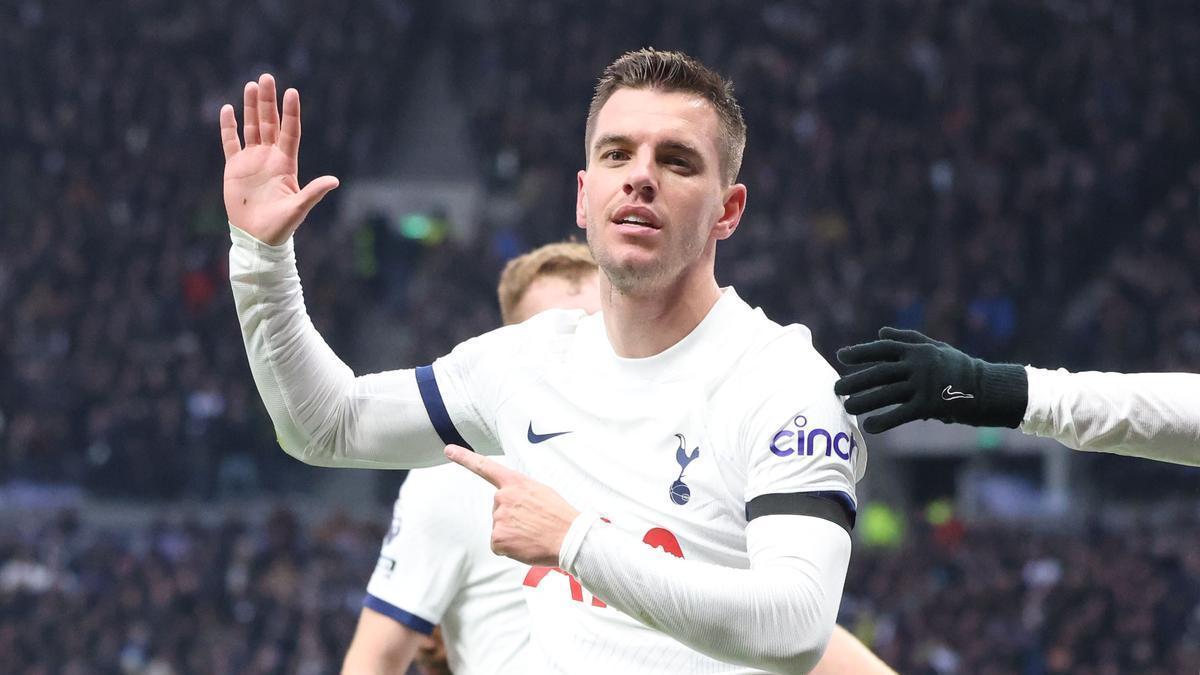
x=322 y=413
x=423 y=566
x=776 y=616
x=1151 y=415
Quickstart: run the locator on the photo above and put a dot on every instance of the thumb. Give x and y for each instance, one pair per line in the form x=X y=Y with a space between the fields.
x=315 y=191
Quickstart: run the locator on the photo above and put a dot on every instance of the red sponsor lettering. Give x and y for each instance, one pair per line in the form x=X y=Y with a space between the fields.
x=656 y=537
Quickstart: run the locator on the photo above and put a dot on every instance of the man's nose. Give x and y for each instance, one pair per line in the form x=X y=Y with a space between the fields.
x=642 y=178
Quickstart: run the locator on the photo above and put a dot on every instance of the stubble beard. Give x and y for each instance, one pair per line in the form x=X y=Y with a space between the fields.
x=631 y=279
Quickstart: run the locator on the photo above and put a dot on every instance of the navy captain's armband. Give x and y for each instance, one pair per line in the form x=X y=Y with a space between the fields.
x=834 y=506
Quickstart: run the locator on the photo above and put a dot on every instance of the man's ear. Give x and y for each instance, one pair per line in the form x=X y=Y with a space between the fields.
x=580 y=200
x=731 y=216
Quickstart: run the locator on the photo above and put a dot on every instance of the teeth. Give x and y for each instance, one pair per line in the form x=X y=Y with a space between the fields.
x=636 y=220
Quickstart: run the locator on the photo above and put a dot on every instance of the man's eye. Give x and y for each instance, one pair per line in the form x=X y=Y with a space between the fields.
x=617 y=155
x=679 y=164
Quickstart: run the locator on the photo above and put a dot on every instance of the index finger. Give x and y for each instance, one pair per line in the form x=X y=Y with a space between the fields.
x=870 y=352
x=869 y=378
x=482 y=466
x=903 y=335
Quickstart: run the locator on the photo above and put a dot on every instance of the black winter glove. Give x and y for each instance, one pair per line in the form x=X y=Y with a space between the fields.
x=929 y=380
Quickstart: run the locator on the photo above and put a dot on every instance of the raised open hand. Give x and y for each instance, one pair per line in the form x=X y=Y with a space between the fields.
x=262 y=194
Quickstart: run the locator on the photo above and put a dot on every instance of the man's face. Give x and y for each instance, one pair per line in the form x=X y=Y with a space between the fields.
x=652 y=198
x=549 y=292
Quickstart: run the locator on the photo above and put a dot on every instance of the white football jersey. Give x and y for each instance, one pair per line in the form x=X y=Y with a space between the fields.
x=437 y=566
x=679 y=450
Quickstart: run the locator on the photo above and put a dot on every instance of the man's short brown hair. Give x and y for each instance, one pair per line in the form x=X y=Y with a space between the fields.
x=566 y=260
x=670 y=72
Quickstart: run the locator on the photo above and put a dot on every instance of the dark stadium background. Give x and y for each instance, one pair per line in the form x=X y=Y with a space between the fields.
x=1019 y=178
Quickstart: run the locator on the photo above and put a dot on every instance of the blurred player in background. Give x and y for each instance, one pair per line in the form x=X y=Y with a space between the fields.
x=1150 y=415
x=437 y=566
x=679 y=419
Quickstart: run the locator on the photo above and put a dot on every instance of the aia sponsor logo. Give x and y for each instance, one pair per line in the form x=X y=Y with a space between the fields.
x=798 y=439
x=656 y=537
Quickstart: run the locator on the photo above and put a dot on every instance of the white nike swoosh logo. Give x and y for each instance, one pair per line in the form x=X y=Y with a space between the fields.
x=948 y=395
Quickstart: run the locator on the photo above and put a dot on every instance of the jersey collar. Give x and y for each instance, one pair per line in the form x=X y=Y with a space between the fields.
x=697 y=348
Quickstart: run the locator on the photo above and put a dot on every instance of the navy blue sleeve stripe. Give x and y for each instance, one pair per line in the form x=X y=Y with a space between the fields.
x=406 y=618
x=436 y=407
x=836 y=507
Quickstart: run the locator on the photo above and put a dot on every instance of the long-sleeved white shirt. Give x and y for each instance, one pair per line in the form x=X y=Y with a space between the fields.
x=1151 y=415
x=728 y=451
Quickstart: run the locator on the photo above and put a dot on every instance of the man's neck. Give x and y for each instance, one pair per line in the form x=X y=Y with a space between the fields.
x=649 y=323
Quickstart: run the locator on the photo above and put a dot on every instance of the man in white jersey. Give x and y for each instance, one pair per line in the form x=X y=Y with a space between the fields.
x=678 y=417
x=1150 y=415
x=436 y=565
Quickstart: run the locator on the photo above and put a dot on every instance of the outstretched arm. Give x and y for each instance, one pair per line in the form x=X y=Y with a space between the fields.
x=1150 y=415
x=322 y=413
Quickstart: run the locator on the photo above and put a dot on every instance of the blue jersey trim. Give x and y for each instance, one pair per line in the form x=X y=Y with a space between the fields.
x=406 y=618
x=431 y=395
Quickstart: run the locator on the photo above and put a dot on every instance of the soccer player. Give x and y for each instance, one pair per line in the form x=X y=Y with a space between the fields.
x=679 y=418
x=1150 y=415
x=436 y=565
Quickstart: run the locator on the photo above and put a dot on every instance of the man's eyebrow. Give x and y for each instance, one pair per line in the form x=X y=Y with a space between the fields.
x=622 y=139
x=679 y=146
x=612 y=139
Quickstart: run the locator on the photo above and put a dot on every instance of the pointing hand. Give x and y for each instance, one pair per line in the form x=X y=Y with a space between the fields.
x=529 y=520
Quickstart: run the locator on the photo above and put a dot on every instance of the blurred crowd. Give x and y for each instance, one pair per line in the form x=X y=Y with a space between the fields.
x=1018 y=178
x=121 y=366
x=279 y=596
x=181 y=596
x=993 y=600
